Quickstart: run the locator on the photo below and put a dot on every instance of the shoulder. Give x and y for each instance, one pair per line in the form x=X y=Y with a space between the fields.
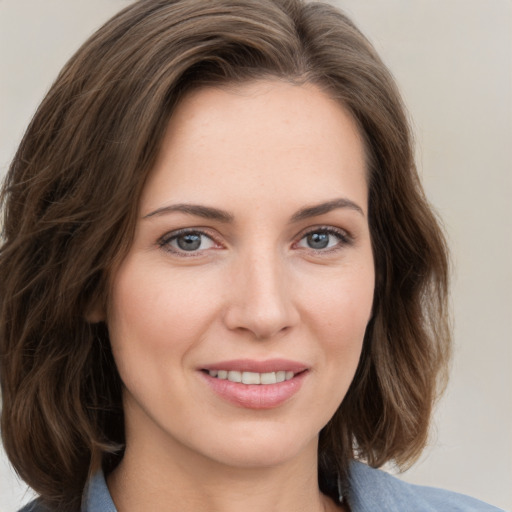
x=34 y=506
x=372 y=489
x=96 y=498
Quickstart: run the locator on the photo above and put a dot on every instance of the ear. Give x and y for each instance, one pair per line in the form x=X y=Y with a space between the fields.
x=95 y=313
x=95 y=317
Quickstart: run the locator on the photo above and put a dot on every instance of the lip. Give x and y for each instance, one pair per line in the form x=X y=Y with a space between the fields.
x=256 y=396
x=250 y=365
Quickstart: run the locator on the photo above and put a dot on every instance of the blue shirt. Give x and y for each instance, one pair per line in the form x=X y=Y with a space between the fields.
x=368 y=490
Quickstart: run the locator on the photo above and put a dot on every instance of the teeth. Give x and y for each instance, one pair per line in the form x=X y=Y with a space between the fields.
x=252 y=377
x=268 y=378
x=235 y=376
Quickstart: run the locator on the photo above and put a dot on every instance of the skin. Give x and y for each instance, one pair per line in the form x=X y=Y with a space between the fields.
x=254 y=289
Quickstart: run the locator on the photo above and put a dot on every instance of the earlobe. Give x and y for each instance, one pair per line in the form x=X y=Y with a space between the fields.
x=95 y=317
x=95 y=313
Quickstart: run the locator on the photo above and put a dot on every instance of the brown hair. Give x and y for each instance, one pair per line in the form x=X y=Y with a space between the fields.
x=70 y=201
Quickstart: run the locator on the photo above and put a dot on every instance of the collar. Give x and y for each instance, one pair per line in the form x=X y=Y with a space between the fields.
x=96 y=497
x=367 y=490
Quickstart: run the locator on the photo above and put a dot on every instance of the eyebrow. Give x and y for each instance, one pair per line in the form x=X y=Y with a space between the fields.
x=323 y=208
x=207 y=212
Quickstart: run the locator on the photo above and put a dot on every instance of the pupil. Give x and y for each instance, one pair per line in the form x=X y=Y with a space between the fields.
x=318 y=240
x=189 y=242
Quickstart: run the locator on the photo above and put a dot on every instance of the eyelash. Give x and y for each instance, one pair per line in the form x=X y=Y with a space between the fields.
x=165 y=242
x=344 y=239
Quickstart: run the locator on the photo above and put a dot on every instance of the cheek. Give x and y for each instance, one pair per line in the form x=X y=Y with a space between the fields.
x=341 y=310
x=345 y=299
x=154 y=310
x=338 y=310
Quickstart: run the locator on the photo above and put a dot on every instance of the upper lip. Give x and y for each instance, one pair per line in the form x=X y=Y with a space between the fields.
x=251 y=365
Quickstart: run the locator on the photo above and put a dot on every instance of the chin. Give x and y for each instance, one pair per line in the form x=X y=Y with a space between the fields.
x=263 y=450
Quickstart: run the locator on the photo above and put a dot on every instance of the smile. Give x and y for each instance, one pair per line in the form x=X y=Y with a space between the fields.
x=254 y=384
x=252 y=377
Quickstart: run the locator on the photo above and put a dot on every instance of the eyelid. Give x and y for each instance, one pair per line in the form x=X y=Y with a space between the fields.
x=345 y=239
x=343 y=235
x=164 y=241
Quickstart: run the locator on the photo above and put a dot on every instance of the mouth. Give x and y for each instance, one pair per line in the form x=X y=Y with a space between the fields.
x=256 y=384
x=252 y=378
x=252 y=372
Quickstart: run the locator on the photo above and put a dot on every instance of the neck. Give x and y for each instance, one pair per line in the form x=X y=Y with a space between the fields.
x=167 y=480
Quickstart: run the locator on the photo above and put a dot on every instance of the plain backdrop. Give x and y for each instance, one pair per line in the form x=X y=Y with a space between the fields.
x=453 y=62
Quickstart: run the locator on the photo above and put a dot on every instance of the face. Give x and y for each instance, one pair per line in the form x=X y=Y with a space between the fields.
x=251 y=262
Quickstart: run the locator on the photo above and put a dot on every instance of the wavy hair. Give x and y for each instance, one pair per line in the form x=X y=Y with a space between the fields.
x=69 y=208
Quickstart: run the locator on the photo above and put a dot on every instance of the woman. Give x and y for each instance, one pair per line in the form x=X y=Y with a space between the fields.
x=221 y=281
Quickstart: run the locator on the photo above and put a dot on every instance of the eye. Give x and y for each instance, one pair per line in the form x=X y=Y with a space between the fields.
x=187 y=241
x=323 y=239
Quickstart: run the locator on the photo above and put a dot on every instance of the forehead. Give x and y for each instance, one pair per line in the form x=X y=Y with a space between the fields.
x=256 y=139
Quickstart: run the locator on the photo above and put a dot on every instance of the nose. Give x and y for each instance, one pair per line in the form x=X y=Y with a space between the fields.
x=261 y=299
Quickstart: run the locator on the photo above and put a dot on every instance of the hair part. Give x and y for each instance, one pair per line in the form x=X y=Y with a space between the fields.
x=71 y=200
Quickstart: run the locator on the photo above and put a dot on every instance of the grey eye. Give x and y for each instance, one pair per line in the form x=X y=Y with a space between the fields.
x=318 y=240
x=189 y=242
x=324 y=238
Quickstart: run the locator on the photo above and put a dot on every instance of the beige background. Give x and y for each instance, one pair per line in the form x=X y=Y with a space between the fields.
x=453 y=61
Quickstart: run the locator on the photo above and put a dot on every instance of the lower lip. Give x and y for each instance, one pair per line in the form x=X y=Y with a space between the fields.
x=256 y=396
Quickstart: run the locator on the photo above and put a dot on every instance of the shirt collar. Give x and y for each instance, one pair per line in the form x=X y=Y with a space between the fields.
x=96 y=496
x=368 y=490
